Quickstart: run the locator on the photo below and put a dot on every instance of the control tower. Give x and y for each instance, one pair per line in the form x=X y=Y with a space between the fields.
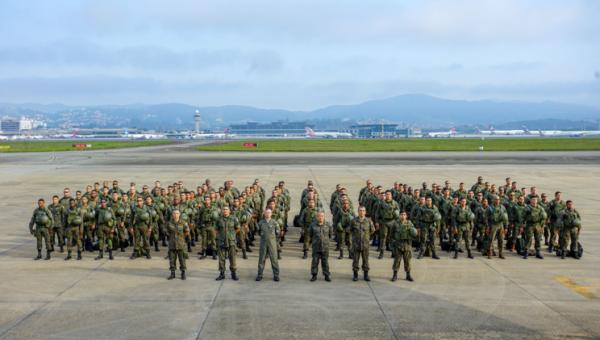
x=197 y=121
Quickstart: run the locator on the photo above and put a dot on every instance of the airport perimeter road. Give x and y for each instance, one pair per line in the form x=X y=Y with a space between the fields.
x=462 y=298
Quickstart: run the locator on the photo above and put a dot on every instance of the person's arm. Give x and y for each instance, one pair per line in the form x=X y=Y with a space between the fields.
x=32 y=222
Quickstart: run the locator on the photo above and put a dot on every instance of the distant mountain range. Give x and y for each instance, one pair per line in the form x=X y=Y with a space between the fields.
x=411 y=109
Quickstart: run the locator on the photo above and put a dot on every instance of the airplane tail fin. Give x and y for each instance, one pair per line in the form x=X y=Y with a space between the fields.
x=309 y=132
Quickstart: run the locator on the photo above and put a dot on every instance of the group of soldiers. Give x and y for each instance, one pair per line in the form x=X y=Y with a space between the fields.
x=218 y=222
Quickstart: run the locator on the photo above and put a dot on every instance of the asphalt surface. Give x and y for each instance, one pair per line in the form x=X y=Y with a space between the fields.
x=462 y=298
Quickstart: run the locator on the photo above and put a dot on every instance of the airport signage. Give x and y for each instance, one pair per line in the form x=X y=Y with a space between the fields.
x=250 y=145
x=82 y=146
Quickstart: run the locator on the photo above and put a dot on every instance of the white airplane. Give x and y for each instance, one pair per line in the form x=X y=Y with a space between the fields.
x=143 y=135
x=449 y=133
x=220 y=135
x=309 y=133
x=561 y=133
x=493 y=132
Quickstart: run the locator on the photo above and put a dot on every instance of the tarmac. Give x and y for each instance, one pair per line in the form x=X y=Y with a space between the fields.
x=463 y=298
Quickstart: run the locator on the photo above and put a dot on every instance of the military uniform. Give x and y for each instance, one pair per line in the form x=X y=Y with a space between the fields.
x=320 y=235
x=42 y=219
x=497 y=221
x=462 y=221
x=105 y=224
x=344 y=220
x=388 y=213
x=402 y=234
x=227 y=227
x=429 y=217
x=555 y=207
x=177 y=244
x=570 y=222
x=141 y=223
x=360 y=231
x=58 y=227
x=269 y=232
x=208 y=219
x=73 y=231
x=307 y=217
x=534 y=229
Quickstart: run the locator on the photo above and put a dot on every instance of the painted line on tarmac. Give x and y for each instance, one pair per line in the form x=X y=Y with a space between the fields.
x=210 y=307
x=579 y=289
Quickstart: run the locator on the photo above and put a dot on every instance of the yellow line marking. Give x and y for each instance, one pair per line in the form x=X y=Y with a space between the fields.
x=581 y=290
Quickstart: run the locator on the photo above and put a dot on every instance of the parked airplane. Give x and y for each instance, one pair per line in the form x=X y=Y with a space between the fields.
x=561 y=133
x=493 y=132
x=309 y=133
x=219 y=135
x=143 y=135
x=449 y=133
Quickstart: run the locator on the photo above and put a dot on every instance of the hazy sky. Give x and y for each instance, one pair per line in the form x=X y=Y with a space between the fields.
x=297 y=54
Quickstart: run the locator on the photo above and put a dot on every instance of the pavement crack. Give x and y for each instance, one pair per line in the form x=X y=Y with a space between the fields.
x=387 y=320
x=210 y=307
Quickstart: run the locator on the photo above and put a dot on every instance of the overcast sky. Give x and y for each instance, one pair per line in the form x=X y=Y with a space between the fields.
x=297 y=54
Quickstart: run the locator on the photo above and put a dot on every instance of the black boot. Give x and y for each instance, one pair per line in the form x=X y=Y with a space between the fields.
x=395 y=276
x=420 y=256
x=355 y=276
x=133 y=255
x=562 y=254
x=538 y=254
x=110 y=255
x=259 y=277
x=327 y=278
x=39 y=255
x=313 y=278
x=156 y=246
x=304 y=254
x=68 y=256
x=79 y=254
x=248 y=246
x=148 y=255
x=214 y=254
x=234 y=276
x=164 y=241
x=366 y=276
x=172 y=276
x=276 y=278
x=221 y=276
x=380 y=254
x=550 y=248
x=341 y=254
x=100 y=255
x=122 y=246
x=433 y=255
x=47 y=255
x=183 y=275
x=189 y=246
x=62 y=249
x=455 y=253
x=526 y=254
x=469 y=254
x=408 y=277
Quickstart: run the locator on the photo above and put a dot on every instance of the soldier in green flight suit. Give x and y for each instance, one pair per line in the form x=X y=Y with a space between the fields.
x=320 y=234
x=156 y=219
x=269 y=231
x=227 y=228
x=462 y=222
x=429 y=218
x=42 y=219
x=178 y=232
x=74 y=228
x=307 y=217
x=497 y=223
x=402 y=234
x=123 y=213
x=535 y=216
x=570 y=222
x=58 y=228
x=105 y=222
x=389 y=211
x=345 y=217
x=141 y=224
x=243 y=217
x=88 y=211
x=556 y=206
x=519 y=211
x=360 y=229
